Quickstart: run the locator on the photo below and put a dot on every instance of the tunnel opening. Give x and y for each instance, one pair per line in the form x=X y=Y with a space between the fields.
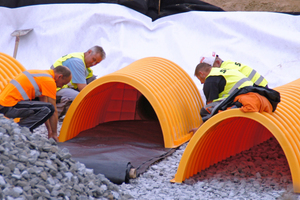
x=265 y=163
x=122 y=102
x=135 y=118
x=145 y=110
x=124 y=111
x=128 y=132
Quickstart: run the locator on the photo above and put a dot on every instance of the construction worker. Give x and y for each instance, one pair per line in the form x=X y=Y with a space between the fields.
x=31 y=96
x=79 y=64
x=218 y=84
x=215 y=61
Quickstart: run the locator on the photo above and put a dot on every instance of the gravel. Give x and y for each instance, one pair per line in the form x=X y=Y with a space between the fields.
x=259 y=173
x=33 y=167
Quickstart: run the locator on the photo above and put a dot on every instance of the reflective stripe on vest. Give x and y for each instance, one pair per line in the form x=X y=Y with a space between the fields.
x=260 y=80
x=33 y=83
x=234 y=79
x=20 y=89
x=252 y=74
x=238 y=84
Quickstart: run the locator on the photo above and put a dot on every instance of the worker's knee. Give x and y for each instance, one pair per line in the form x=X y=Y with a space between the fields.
x=52 y=109
x=207 y=109
x=89 y=80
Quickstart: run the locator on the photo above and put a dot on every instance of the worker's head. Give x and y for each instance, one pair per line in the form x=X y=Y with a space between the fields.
x=212 y=59
x=93 y=56
x=218 y=61
x=202 y=70
x=62 y=75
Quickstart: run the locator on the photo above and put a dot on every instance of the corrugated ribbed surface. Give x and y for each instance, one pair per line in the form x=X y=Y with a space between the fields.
x=9 y=68
x=233 y=131
x=168 y=88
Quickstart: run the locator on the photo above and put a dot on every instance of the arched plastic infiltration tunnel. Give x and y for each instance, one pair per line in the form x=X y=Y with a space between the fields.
x=124 y=95
x=9 y=68
x=232 y=131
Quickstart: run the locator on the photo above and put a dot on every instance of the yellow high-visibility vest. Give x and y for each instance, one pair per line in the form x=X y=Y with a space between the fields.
x=234 y=79
x=253 y=75
x=68 y=56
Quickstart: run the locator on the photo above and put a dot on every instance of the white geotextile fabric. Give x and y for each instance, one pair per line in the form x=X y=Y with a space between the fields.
x=268 y=42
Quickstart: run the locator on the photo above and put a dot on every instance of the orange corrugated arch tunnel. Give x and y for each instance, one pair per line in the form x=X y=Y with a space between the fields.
x=168 y=88
x=9 y=68
x=232 y=131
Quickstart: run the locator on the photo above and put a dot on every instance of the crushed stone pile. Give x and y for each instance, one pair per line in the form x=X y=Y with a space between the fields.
x=34 y=167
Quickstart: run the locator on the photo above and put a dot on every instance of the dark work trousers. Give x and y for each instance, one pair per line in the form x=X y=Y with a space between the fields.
x=31 y=113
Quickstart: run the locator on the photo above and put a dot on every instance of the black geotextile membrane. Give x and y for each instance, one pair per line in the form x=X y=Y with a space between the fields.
x=113 y=148
x=152 y=8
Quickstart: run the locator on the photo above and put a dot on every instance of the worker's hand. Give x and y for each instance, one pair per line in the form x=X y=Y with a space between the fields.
x=54 y=137
x=193 y=130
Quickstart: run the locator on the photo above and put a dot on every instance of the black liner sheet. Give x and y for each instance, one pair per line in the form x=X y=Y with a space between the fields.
x=113 y=148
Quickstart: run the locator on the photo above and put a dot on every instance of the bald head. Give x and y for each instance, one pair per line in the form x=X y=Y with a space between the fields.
x=63 y=70
x=62 y=75
x=203 y=67
x=202 y=70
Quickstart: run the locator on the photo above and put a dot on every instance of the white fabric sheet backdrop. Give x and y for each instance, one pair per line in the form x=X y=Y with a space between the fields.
x=268 y=42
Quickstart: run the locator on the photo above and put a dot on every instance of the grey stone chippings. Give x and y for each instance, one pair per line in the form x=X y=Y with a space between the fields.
x=261 y=172
x=33 y=167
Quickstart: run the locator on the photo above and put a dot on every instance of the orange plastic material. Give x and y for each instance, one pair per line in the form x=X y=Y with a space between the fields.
x=168 y=88
x=232 y=131
x=9 y=68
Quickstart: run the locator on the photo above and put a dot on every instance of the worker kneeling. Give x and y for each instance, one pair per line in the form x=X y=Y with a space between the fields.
x=31 y=96
x=229 y=88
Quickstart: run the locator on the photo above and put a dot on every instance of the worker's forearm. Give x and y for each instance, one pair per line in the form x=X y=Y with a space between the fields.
x=53 y=125
x=208 y=102
x=47 y=123
x=81 y=86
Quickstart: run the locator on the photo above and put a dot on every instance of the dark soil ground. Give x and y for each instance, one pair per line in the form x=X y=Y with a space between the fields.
x=257 y=5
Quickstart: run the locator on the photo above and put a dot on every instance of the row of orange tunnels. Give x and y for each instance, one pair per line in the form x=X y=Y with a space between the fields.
x=176 y=102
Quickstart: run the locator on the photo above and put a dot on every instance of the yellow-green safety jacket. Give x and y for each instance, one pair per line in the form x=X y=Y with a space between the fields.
x=234 y=79
x=66 y=57
x=253 y=75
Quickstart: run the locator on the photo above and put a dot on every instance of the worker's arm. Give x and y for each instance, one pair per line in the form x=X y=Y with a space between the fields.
x=208 y=102
x=193 y=130
x=51 y=123
x=80 y=86
x=78 y=70
x=212 y=87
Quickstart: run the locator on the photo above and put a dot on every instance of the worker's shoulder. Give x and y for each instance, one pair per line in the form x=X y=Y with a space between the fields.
x=74 y=62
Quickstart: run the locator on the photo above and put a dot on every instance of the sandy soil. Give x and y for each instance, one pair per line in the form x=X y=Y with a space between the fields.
x=257 y=5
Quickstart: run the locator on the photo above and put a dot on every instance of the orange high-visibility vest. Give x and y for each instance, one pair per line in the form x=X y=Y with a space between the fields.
x=27 y=86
